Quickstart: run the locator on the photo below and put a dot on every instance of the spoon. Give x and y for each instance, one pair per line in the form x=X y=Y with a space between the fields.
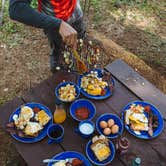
x=57 y=160
x=81 y=66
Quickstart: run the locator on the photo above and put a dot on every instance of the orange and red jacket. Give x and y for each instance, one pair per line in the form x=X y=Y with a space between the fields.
x=52 y=12
x=61 y=9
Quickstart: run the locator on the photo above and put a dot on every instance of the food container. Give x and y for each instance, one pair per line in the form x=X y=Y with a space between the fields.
x=64 y=84
x=83 y=104
x=85 y=128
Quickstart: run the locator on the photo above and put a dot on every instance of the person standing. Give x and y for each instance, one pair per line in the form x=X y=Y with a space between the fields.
x=62 y=21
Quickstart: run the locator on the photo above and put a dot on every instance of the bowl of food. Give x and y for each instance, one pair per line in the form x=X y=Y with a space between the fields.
x=100 y=150
x=67 y=91
x=95 y=85
x=82 y=109
x=109 y=125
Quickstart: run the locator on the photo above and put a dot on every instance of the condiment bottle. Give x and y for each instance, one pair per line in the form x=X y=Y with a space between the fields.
x=136 y=162
x=122 y=145
x=59 y=114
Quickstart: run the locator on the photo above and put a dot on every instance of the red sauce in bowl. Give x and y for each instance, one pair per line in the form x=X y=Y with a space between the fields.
x=82 y=113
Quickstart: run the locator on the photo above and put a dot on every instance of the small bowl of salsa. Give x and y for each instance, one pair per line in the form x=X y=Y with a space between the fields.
x=82 y=109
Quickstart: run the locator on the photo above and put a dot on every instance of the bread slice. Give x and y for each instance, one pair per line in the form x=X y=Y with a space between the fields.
x=101 y=149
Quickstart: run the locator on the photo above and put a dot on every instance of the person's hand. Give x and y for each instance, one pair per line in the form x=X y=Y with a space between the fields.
x=69 y=34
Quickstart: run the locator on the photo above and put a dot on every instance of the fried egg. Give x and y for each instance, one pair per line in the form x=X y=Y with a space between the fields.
x=26 y=113
x=138 y=117
x=32 y=128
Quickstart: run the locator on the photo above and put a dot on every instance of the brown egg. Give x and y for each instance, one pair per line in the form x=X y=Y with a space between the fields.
x=103 y=124
x=107 y=131
x=110 y=122
x=115 y=129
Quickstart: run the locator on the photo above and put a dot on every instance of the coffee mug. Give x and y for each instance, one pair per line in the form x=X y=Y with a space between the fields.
x=85 y=128
x=55 y=133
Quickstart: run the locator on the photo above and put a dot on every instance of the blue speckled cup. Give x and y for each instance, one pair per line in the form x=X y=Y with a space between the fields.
x=54 y=128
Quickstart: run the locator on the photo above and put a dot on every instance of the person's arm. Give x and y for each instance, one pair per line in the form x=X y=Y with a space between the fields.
x=21 y=11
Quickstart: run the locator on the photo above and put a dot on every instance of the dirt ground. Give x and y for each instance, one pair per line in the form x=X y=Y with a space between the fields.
x=139 y=28
x=25 y=61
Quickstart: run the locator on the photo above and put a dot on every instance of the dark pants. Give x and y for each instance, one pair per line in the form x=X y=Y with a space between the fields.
x=55 y=40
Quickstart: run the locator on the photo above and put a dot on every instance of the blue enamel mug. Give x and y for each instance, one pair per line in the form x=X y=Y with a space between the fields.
x=55 y=133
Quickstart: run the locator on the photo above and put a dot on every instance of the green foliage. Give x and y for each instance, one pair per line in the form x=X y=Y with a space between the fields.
x=137 y=3
x=96 y=7
x=34 y=4
x=130 y=2
x=112 y=6
x=10 y=27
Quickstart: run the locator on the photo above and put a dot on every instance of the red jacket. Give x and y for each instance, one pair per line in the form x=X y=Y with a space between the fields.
x=62 y=9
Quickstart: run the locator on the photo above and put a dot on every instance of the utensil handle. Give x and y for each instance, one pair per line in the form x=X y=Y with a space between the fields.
x=54 y=160
x=49 y=160
x=75 y=53
x=50 y=141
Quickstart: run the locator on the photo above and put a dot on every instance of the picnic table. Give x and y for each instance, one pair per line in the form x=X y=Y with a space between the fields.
x=129 y=86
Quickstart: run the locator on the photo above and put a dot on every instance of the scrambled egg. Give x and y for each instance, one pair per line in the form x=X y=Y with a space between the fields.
x=67 y=93
x=92 y=84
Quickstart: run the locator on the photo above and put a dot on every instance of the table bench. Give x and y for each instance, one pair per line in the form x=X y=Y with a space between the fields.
x=129 y=86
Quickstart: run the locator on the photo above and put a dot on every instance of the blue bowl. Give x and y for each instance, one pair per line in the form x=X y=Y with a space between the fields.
x=91 y=156
x=106 y=117
x=82 y=103
x=64 y=84
x=85 y=135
